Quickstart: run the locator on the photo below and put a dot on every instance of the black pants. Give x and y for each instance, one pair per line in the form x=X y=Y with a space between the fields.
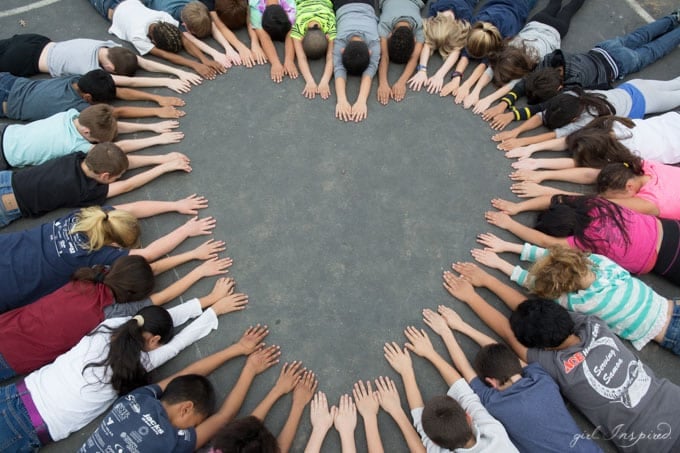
x=558 y=17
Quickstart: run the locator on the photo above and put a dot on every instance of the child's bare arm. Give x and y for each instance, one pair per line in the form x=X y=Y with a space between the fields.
x=232 y=56
x=420 y=77
x=384 y=89
x=199 y=49
x=127 y=185
x=465 y=87
x=322 y=420
x=452 y=86
x=208 y=268
x=523 y=232
x=200 y=69
x=399 y=87
x=359 y=108
x=419 y=343
x=243 y=50
x=288 y=379
x=255 y=47
x=389 y=401
x=478 y=277
x=345 y=422
x=324 y=82
x=289 y=57
x=302 y=395
x=277 y=70
x=130 y=111
x=472 y=98
x=368 y=406
x=400 y=361
x=436 y=82
x=154 y=66
x=343 y=109
x=136 y=144
x=483 y=105
x=177 y=85
x=454 y=321
x=170 y=241
x=311 y=87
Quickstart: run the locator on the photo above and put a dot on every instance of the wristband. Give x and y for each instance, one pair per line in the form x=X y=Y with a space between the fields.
x=455 y=74
x=421 y=67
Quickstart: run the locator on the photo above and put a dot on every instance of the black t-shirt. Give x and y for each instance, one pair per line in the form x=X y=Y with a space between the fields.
x=59 y=183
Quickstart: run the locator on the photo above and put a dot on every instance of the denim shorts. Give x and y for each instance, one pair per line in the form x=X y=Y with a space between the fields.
x=7 y=216
x=16 y=430
x=671 y=340
x=6 y=83
x=6 y=371
x=103 y=6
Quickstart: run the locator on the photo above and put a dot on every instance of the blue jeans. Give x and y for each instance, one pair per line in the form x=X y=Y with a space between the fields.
x=6 y=371
x=6 y=83
x=16 y=431
x=671 y=339
x=103 y=6
x=644 y=46
x=7 y=216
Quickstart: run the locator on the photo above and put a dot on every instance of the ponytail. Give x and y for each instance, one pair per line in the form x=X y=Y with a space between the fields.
x=127 y=344
x=130 y=278
x=107 y=227
x=483 y=39
x=615 y=176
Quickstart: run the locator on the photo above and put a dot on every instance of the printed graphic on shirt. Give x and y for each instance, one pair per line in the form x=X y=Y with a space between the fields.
x=63 y=240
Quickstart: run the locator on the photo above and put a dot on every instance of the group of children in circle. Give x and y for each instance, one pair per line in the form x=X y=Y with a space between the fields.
x=80 y=318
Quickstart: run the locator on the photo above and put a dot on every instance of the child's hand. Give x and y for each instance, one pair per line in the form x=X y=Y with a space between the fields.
x=169 y=111
x=178 y=86
x=501 y=220
x=319 y=415
x=170 y=101
x=388 y=396
x=505 y=135
x=343 y=111
x=487 y=258
x=163 y=126
x=263 y=359
x=398 y=359
x=232 y=302
x=521 y=152
x=277 y=72
x=199 y=227
x=435 y=84
x=168 y=138
x=366 y=401
x=500 y=121
x=450 y=317
x=233 y=57
x=169 y=157
x=472 y=273
x=417 y=81
x=222 y=288
x=398 y=91
x=530 y=190
x=324 y=90
x=290 y=69
x=258 y=54
x=208 y=250
x=215 y=266
x=223 y=60
x=384 y=92
x=310 y=90
x=346 y=416
x=251 y=340
x=482 y=106
x=461 y=93
x=217 y=66
x=451 y=87
x=490 y=114
x=359 y=111
x=188 y=77
x=205 y=71
x=418 y=342
x=291 y=373
x=305 y=388
x=507 y=207
x=247 y=58
x=526 y=163
x=435 y=322
x=493 y=243
x=180 y=163
x=191 y=204
x=510 y=144
x=458 y=287
x=470 y=100
x=528 y=175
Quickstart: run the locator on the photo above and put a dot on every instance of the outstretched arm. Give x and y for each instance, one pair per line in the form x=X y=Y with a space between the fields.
x=154 y=66
x=345 y=422
x=288 y=378
x=464 y=89
x=206 y=269
x=389 y=401
x=399 y=87
x=440 y=326
x=368 y=405
x=523 y=232
x=419 y=343
x=476 y=276
x=174 y=162
x=322 y=420
x=302 y=395
x=206 y=251
x=149 y=208
x=400 y=361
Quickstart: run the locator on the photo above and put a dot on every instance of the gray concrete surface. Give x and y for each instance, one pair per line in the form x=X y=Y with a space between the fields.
x=339 y=232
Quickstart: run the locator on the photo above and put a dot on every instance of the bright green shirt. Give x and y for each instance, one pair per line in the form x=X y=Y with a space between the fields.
x=320 y=11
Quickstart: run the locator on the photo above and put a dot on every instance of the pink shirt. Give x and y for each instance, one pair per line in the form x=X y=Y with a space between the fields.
x=662 y=189
x=640 y=255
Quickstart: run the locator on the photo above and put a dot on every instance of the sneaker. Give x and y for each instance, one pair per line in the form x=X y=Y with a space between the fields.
x=676 y=16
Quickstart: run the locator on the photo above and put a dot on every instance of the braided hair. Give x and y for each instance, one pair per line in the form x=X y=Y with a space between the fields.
x=166 y=36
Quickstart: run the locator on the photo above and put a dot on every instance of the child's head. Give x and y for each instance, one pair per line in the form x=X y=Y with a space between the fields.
x=445 y=33
x=150 y=328
x=97 y=86
x=107 y=161
x=275 y=22
x=542 y=84
x=189 y=400
x=400 y=44
x=483 y=39
x=99 y=123
x=616 y=178
x=563 y=270
x=566 y=107
x=315 y=42
x=511 y=63
x=107 y=228
x=122 y=61
x=196 y=18
x=245 y=435
x=496 y=364
x=234 y=13
x=446 y=423
x=356 y=57
x=129 y=278
x=166 y=36
x=541 y=323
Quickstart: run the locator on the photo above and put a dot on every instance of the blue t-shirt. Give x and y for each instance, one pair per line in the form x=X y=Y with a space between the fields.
x=37 y=261
x=508 y=16
x=534 y=414
x=138 y=422
x=172 y=7
x=462 y=9
x=31 y=100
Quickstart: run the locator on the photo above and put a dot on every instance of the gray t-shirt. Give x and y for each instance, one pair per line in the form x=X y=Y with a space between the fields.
x=618 y=393
x=619 y=99
x=116 y=310
x=395 y=11
x=75 y=57
x=356 y=19
x=31 y=100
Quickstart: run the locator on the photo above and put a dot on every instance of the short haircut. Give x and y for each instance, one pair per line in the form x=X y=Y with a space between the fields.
x=559 y=272
x=196 y=17
x=496 y=361
x=275 y=22
x=166 y=37
x=108 y=158
x=315 y=43
x=234 y=13
x=483 y=39
x=400 y=44
x=245 y=435
x=99 y=84
x=541 y=323
x=124 y=61
x=445 y=423
x=101 y=122
x=542 y=84
x=356 y=57
x=194 y=388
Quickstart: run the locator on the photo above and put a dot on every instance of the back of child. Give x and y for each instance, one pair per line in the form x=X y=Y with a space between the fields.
x=193 y=14
x=275 y=18
x=400 y=40
x=314 y=40
x=145 y=28
x=496 y=21
x=356 y=57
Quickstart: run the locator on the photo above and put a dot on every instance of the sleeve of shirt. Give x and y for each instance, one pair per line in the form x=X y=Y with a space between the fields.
x=470 y=402
x=255 y=14
x=125 y=310
x=339 y=70
x=290 y=8
x=578 y=123
x=374 y=48
x=483 y=391
x=419 y=32
x=142 y=44
x=384 y=29
x=430 y=446
x=519 y=275
x=183 y=312
x=532 y=252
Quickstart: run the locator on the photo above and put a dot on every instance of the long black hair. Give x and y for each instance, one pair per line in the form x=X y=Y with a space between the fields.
x=570 y=215
x=130 y=278
x=566 y=107
x=127 y=344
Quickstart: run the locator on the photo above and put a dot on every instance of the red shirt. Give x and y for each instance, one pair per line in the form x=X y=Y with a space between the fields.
x=36 y=334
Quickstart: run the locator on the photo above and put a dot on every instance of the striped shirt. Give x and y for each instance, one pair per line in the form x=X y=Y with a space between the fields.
x=629 y=307
x=320 y=11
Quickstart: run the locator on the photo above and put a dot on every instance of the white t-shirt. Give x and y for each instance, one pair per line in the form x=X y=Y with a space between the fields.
x=68 y=397
x=656 y=138
x=131 y=22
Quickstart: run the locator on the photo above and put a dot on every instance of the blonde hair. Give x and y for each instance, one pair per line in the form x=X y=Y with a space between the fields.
x=446 y=34
x=196 y=17
x=561 y=271
x=107 y=227
x=483 y=39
